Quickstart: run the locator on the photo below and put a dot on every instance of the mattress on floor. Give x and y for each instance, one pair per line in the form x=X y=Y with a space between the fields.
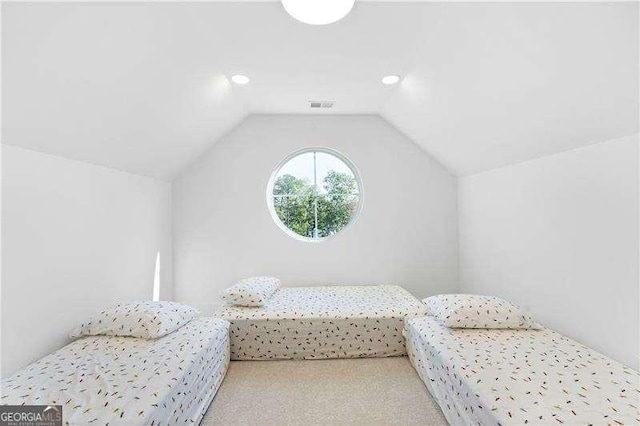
x=323 y=322
x=517 y=377
x=128 y=380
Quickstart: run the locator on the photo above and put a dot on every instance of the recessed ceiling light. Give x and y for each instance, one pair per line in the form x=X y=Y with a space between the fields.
x=391 y=79
x=318 y=12
x=240 y=79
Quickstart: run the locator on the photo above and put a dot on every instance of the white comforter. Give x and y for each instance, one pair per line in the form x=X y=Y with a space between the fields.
x=517 y=377
x=127 y=380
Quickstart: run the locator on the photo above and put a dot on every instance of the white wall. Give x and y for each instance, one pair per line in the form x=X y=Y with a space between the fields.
x=406 y=233
x=76 y=238
x=559 y=235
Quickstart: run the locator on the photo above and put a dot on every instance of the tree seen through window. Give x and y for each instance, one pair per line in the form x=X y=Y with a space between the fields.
x=315 y=194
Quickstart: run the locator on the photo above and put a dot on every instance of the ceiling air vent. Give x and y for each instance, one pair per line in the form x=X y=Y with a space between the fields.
x=321 y=104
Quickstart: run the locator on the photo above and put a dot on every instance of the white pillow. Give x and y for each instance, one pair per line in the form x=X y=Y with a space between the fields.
x=251 y=291
x=474 y=311
x=145 y=319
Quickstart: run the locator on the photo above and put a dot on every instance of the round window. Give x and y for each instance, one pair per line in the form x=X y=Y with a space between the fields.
x=314 y=194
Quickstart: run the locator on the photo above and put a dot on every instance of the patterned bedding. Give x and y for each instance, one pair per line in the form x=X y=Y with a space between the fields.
x=323 y=322
x=128 y=380
x=517 y=377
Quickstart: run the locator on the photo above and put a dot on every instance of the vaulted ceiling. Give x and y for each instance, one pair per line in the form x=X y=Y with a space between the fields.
x=144 y=87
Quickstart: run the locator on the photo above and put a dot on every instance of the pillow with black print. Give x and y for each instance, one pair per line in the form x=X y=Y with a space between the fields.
x=475 y=311
x=145 y=319
x=253 y=291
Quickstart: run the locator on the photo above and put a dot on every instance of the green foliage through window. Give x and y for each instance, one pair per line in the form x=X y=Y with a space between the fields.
x=316 y=211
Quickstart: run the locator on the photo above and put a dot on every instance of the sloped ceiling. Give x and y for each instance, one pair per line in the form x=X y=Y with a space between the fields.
x=144 y=87
x=498 y=84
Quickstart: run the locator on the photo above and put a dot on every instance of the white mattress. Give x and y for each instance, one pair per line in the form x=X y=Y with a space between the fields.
x=323 y=322
x=517 y=377
x=127 y=380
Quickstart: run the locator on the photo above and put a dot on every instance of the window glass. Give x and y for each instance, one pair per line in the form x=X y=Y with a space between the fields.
x=315 y=194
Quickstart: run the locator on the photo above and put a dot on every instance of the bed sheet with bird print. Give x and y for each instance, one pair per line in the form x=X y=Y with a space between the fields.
x=129 y=380
x=519 y=377
x=323 y=322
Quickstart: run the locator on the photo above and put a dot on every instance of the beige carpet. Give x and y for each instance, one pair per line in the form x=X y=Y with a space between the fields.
x=369 y=391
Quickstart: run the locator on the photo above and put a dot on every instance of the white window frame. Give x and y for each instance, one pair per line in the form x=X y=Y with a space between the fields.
x=330 y=151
